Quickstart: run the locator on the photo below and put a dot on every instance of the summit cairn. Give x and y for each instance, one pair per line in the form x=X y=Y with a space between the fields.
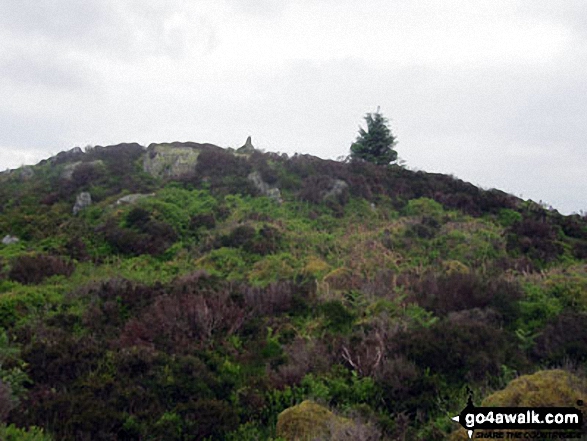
x=247 y=148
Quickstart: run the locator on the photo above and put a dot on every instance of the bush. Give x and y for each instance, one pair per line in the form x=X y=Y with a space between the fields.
x=13 y=433
x=147 y=235
x=564 y=339
x=306 y=421
x=457 y=350
x=207 y=419
x=33 y=269
x=537 y=239
x=338 y=318
x=457 y=291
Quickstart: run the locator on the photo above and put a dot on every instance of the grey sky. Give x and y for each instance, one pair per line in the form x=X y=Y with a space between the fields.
x=492 y=91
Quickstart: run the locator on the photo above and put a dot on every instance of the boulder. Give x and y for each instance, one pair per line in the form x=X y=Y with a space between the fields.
x=9 y=240
x=337 y=188
x=83 y=200
x=265 y=189
x=133 y=198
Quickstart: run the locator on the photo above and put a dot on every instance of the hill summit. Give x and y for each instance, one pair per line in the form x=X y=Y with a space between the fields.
x=184 y=291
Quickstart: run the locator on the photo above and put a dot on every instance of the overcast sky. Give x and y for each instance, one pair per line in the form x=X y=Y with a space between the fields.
x=494 y=92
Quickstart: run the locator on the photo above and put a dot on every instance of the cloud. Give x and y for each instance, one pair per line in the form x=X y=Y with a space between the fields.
x=40 y=69
x=491 y=90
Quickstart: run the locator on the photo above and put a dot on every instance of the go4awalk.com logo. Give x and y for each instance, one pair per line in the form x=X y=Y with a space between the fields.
x=523 y=422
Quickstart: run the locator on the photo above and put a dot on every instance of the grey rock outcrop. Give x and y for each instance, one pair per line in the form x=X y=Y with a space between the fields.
x=165 y=160
x=9 y=240
x=133 y=198
x=83 y=200
x=337 y=187
x=265 y=189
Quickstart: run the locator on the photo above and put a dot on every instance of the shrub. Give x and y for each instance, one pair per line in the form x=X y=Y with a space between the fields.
x=338 y=318
x=184 y=321
x=207 y=419
x=537 y=239
x=424 y=207
x=146 y=237
x=238 y=236
x=564 y=339
x=33 y=269
x=306 y=421
x=447 y=349
x=456 y=291
x=203 y=220
x=13 y=433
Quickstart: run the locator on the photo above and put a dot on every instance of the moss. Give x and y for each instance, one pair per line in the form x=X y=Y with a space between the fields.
x=306 y=421
x=550 y=388
x=544 y=388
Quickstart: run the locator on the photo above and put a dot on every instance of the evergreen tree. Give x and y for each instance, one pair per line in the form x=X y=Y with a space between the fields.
x=376 y=143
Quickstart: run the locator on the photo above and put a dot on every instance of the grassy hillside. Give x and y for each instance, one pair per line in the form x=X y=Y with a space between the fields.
x=204 y=291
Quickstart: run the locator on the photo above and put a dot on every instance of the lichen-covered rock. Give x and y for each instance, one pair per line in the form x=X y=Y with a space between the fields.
x=550 y=388
x=165 y=160
x=83 y=200
x=133 y=198
x=265 y=189
x=337 y=187
x=306 y=421
x=9 y=240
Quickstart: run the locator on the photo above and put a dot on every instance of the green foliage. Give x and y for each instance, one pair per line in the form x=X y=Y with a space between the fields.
x=376 y=143
x=536 y=309
x=205 y=311
x=424 y=207
x=508 y=217
x=13 y=433
x=338 y=318
x=305 y=422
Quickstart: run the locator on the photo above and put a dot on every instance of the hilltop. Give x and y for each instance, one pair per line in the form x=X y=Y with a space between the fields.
x=184 y=291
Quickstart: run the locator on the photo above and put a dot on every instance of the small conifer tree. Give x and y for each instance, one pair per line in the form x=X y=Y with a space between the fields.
x=376 y=143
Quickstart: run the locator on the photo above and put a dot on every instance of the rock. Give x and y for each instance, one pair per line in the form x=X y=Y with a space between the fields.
x=337 y=187
x=75 y=154
x=83 y=200
x=265 y=189
x=307 y=421
x=165 y=160
x=9 y=240
x=133 y=198
x=247 y=148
